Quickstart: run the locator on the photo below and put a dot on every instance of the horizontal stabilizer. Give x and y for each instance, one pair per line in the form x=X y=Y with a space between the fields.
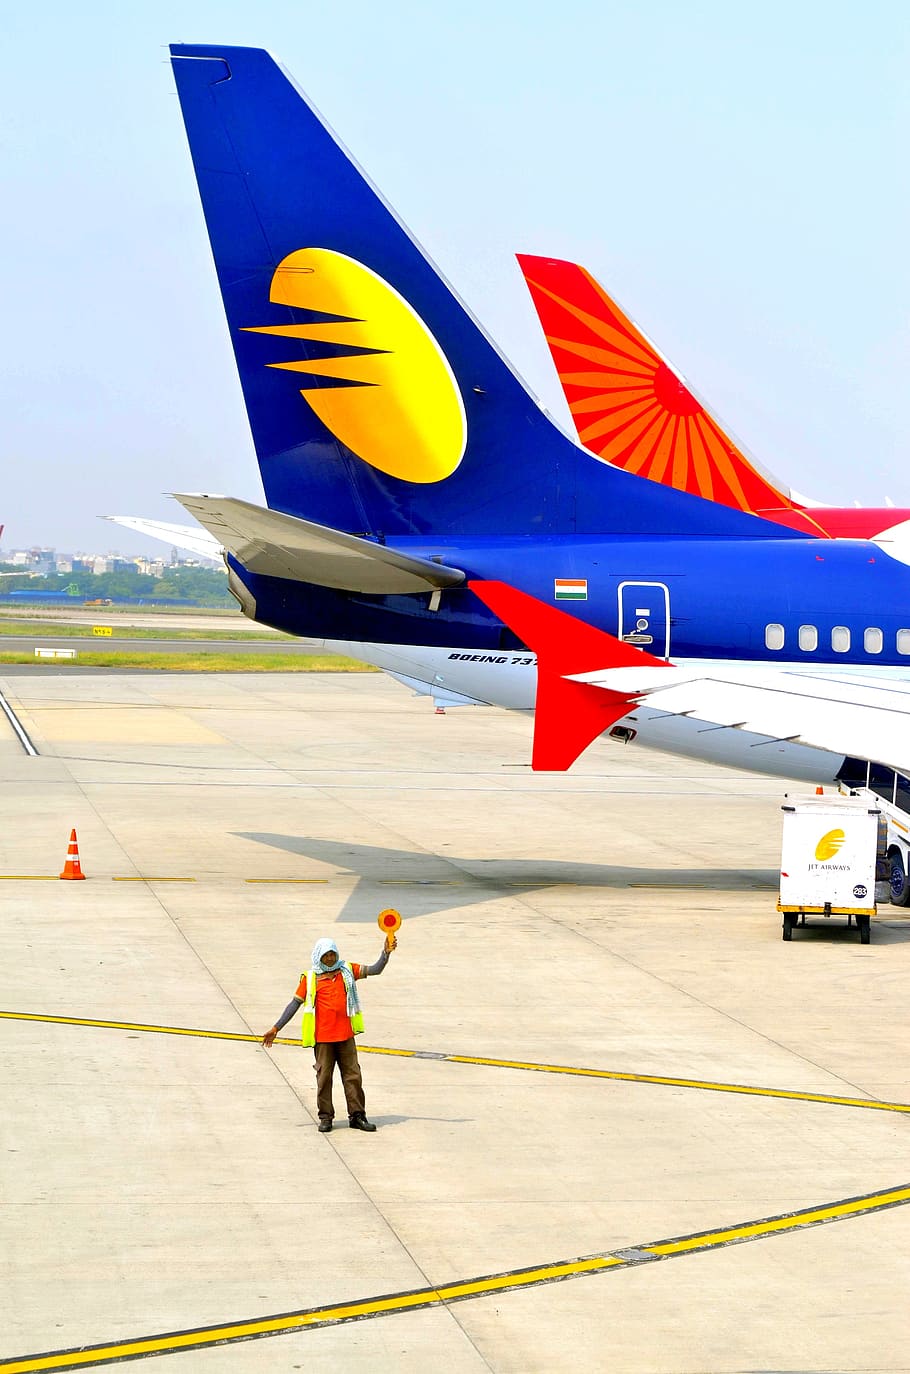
x=568 y=714
x=276 y=545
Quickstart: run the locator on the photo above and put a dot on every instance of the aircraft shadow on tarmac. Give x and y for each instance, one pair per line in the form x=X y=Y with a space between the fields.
x=438 y=882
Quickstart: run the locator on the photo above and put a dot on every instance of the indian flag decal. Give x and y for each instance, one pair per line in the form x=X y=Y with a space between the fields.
x=570 y=588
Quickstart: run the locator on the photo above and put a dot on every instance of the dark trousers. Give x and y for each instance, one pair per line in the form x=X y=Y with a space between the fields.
x=344 y=1054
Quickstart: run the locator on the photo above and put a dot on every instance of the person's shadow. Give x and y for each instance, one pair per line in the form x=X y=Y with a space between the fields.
x=382 y=1121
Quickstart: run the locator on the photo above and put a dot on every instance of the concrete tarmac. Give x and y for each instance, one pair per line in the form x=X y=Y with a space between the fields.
x=168 y=1194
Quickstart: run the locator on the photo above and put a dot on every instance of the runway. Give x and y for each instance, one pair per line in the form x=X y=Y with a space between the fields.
x=591 y=1054
x=124 y=617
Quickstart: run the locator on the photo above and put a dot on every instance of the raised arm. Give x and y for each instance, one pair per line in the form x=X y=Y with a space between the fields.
x=371 y=970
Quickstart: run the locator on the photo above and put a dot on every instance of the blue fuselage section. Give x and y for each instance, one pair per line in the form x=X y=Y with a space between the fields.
x=819 y=601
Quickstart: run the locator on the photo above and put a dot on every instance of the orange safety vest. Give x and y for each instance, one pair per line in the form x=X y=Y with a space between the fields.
x=308 y=1029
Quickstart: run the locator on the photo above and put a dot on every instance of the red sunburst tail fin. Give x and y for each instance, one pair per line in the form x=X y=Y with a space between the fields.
x=629 y=405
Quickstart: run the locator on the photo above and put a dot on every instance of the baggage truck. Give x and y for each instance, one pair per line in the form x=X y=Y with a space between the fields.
x=829 y=849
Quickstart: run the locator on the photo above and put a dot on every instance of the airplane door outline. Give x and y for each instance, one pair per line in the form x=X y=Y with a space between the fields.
x=644 y=616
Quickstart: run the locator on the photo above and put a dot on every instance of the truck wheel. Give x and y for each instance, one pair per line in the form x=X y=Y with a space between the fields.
x=900 y=885
x=789 y=922
x=865 y=930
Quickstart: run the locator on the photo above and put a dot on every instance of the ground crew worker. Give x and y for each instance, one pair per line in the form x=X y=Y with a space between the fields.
x=331 y=1019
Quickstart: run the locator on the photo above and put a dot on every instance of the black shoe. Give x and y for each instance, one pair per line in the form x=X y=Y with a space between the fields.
x=325 y=1123
x=358 y=1122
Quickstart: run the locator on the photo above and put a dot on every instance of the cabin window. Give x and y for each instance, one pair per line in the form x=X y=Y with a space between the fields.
x=882 y=780
x=903 y=641
x=808 y=638
x=873 y=639
x=774 y=637
x=840 y=639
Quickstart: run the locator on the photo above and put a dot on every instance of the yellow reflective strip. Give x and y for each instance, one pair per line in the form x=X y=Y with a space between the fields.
x=831 y=911
x=29 y=877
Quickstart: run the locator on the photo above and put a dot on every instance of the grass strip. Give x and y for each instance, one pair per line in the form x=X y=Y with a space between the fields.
x=200 y=663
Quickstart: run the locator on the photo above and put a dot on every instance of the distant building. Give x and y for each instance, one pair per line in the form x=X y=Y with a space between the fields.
x=42 y=561
x=150 y=567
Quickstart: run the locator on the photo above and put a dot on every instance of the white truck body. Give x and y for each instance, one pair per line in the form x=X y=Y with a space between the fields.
x=828 y=855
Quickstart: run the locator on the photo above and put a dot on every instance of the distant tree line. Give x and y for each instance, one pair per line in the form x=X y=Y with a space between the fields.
x=205 y=586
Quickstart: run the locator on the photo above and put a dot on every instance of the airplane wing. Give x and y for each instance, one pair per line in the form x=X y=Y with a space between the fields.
x=843 y=713
x=277 y=545
x=187 y=537
x=864 y=720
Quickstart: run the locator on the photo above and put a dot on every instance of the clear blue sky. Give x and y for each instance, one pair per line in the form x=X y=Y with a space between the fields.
x=735 y=175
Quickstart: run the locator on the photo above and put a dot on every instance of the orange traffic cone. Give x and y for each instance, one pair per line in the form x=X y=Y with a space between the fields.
x=440 y=710
x=819 y=791
x=72 y=869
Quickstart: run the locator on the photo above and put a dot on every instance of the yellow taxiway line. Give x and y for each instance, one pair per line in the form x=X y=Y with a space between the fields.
x=311 y=1318
x=150 y=878
x=527 y=1066
x=705 y=1085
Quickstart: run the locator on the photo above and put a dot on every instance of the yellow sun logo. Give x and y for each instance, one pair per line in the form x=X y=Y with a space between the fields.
x=829 y=845
x=395 y=402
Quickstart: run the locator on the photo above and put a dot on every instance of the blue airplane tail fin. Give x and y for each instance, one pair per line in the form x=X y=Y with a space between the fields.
x=377 y=403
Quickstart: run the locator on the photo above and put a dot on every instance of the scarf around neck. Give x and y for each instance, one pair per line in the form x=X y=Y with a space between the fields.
x=320 y=950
